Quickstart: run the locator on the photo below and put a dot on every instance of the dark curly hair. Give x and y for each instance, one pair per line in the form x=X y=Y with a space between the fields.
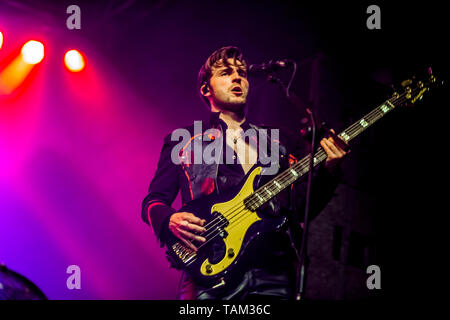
x=219 y=56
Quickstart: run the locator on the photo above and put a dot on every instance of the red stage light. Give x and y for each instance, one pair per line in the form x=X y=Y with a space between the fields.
x=33 y=52
x=1 y=39
x=74 y=60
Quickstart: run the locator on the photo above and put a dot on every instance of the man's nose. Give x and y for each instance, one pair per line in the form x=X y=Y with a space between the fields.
x=236 y=78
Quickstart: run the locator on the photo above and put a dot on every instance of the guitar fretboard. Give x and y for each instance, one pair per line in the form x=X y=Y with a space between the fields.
x=289 y=176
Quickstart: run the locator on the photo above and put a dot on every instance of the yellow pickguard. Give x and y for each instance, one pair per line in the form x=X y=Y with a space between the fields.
x=237 y=227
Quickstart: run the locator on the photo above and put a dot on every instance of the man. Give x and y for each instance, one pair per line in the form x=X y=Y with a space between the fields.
x=224 y=86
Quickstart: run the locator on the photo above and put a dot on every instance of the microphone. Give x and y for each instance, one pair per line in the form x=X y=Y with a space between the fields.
x=268 y=67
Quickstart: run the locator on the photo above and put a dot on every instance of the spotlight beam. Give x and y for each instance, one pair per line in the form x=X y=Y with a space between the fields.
x=17 y=71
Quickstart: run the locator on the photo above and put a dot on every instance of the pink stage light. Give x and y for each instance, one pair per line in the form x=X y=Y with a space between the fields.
x=74 y=61
x=1 y=39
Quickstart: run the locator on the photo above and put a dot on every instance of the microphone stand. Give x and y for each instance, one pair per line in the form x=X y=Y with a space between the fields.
x=296 y=101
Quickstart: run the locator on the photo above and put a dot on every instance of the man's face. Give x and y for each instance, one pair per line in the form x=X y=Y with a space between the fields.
x=229 y=85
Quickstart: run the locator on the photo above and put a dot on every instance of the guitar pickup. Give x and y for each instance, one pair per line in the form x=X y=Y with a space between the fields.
x=223 y=222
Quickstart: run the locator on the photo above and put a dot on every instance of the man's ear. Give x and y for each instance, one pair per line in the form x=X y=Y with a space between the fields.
x=204 y=90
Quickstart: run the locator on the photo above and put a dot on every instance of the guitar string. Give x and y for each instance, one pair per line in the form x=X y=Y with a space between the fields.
x=354 y=128
x=375 y=114
x=235 y=220
x=282 y=178
x=351 y=130
x=287 y=176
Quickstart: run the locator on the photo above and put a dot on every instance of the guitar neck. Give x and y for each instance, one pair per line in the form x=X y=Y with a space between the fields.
x=301 y=168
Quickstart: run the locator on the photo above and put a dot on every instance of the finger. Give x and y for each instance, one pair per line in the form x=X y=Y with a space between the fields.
x=173 y=227
x=189 y=244
x=192 y=219
x=189 y=235
x=340 y=142
x=192 y=226
x=332 y=145
x=338 y=145
x=338 y=152
x=325 y=146
x=331 y=150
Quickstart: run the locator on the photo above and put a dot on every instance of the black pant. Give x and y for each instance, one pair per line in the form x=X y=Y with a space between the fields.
x=256 y=283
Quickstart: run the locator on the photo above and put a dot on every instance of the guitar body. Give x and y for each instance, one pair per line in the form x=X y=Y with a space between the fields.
x=231 y=226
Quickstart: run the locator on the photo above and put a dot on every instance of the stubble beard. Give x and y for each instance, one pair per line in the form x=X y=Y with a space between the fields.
x=233 y=106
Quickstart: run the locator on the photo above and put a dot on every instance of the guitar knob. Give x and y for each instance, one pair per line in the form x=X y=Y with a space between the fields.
x=208 y=268
x=230 y=252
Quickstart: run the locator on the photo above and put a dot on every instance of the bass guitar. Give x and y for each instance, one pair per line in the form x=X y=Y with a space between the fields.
x=235 y=218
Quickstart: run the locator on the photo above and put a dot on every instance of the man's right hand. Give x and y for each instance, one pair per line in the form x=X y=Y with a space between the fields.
x=183 y=223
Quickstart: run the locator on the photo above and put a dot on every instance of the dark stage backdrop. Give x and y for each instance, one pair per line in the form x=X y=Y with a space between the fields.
x=78 y=151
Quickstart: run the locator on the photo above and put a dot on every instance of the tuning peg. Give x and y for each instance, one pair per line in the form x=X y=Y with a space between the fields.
x=408 y=92
x=406 y=83
x=430 y=73
x=394 y=94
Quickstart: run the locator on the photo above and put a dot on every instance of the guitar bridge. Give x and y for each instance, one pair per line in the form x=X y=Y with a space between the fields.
x=184 y=253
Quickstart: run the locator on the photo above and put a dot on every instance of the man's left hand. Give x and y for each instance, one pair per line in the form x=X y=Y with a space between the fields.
x=335 y=153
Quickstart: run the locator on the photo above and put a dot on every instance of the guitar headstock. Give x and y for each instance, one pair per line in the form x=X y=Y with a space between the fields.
x=414 y=90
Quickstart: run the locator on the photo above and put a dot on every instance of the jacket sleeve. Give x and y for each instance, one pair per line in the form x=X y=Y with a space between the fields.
x=156 y=207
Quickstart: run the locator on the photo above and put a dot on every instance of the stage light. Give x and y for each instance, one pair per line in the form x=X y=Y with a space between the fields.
x=1 y=39
x=74 y=60
x=15 y=73
x=33 y=52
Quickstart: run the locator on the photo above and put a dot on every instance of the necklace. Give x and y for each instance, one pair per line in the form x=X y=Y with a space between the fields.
x=234 y=134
